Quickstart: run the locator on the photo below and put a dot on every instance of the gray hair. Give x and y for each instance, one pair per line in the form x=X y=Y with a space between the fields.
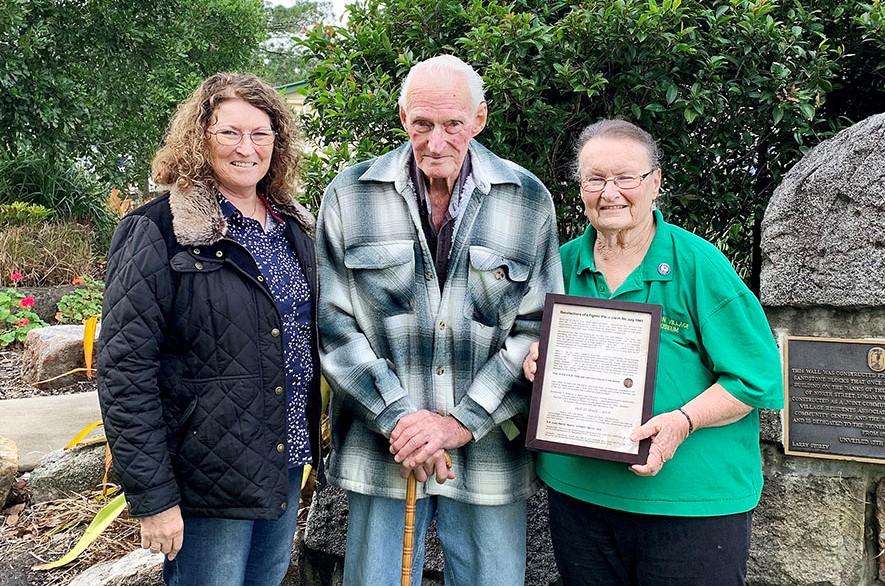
x=616 y=128
x=445 y=65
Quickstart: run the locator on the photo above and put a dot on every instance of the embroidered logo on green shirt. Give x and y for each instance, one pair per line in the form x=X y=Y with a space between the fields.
x=672 y=325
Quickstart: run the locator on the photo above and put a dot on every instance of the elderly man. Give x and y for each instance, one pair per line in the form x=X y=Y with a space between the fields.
x=434 y=261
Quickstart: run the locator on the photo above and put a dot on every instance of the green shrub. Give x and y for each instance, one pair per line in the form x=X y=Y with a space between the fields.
x=19 y=213
x=50 y=253
x=60 y=185
x=83 y=303
x=736 y=91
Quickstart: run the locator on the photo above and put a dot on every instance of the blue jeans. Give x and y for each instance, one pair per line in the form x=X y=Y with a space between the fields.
x=482 y=545
x=605 y=547
x=237 y=552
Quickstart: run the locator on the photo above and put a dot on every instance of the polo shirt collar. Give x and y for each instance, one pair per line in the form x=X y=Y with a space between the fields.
x=659 y=261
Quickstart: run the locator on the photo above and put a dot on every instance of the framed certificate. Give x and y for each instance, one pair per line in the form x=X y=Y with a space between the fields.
x=595 y=379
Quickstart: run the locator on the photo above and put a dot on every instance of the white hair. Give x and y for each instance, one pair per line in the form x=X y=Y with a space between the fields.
x=445 y=65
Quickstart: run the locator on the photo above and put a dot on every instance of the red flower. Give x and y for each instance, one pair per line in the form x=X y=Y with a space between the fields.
x=27 y=302
x=16 y=277
x=77 y=281
x=22 y=322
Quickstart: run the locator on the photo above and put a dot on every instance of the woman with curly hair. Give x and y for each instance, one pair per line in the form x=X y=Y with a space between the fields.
x=209 y=381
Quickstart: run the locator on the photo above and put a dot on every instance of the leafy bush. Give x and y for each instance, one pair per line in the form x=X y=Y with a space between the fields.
x=18 y=213
x=93 y=80
x=63 y=186
x=83 y=303
x=50 y=253
x=733 y=90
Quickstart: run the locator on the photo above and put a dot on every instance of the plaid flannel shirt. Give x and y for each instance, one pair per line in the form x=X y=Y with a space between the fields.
x=393 y=343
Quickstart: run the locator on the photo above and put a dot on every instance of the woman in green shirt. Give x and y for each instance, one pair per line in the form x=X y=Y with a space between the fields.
x=683 y=517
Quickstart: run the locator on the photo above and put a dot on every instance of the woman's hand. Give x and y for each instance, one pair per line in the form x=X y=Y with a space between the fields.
x=714 y=407
x=530 y=364
x=163 y=532
x=667 y=431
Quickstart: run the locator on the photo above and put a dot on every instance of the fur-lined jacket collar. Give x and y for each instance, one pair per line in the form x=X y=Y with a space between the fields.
x=197 y=218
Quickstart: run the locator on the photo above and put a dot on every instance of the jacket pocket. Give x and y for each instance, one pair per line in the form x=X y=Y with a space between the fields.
x=384 y=274
x=180 y=427
x=496 y=285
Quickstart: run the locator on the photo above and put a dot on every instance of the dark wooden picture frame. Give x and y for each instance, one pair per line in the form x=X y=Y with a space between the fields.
x=554 y=305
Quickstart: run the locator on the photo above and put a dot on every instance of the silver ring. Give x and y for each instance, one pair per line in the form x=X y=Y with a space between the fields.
x=155 y=550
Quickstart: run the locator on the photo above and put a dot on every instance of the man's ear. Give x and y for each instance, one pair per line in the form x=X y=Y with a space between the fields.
x=402 y=118
x=479 y=122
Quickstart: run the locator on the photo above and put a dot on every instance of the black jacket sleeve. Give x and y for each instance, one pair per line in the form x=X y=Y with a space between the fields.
x=139 y=292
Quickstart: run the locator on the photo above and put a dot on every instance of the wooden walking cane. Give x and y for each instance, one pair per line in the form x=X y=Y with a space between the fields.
x=409 y=528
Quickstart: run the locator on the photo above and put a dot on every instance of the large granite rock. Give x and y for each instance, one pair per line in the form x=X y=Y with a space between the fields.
x=824 y=229
x=321 y=557
x=8 y=467
x=139 y=568
x=63 y=472
x=880 y=520
x=808 y=530
x=52 y=351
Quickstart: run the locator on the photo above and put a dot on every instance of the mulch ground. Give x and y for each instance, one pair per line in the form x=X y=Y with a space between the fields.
x=32 y=534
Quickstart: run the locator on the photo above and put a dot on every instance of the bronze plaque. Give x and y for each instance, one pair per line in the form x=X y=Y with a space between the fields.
x=835 y=403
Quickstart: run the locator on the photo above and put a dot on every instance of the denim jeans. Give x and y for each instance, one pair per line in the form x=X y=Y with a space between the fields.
x=482 y=545
x=237 y=552
x=598 y=546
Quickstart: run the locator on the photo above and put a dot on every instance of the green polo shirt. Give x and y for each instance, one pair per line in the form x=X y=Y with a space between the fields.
x=712 y=330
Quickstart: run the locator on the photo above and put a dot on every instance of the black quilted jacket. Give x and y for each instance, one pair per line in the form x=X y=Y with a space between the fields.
x=191 y=379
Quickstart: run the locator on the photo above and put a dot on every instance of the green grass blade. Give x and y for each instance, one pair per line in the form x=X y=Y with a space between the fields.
x=102 y=519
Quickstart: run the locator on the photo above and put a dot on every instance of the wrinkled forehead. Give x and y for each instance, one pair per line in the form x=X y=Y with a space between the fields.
x=447 y=93
x=614 y=149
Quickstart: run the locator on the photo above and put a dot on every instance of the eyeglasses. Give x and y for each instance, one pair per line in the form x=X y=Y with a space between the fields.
x=593 y=184
x=451 y=127
x=230 y=137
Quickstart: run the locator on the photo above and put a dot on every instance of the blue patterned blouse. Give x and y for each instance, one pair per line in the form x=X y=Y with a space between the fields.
x=277 y=262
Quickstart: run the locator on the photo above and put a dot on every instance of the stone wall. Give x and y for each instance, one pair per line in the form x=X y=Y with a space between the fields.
x=823 y=275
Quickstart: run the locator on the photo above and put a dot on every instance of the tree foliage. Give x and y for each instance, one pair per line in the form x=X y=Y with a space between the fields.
x=734 y=90
x=96 y=80
x=280 y=59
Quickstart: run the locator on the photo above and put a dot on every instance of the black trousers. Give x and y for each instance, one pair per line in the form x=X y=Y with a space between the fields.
x=597 y=546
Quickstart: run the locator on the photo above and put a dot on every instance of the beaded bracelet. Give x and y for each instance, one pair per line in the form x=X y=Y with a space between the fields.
x=690 y=424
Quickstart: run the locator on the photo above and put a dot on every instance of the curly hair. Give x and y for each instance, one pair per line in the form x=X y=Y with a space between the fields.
x=183 y=158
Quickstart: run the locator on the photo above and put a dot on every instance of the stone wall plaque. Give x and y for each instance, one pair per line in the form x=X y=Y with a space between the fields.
x=835 y=398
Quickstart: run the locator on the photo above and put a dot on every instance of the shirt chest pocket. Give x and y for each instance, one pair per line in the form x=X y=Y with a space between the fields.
x=185 y=262
x=496 y=285
x=384 y=274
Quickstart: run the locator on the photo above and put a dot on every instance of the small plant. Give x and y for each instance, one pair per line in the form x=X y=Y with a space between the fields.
x=16 y=316
x=49 y=253
x=19 y=213
x=83 y=303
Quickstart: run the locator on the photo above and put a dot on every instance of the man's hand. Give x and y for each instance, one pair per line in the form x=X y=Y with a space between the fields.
x=163 y=532
x=441 y=468
x=420 y=439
